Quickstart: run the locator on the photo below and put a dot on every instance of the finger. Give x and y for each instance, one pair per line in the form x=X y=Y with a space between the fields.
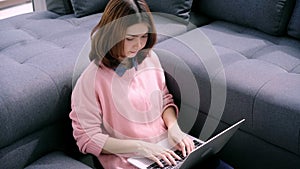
x=188 y=145
x=156 y=160
x=182 y=147
x=171 y=156
x=175 y=155
x=165 y=158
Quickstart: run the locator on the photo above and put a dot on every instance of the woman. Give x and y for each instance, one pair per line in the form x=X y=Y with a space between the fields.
x=120 y=105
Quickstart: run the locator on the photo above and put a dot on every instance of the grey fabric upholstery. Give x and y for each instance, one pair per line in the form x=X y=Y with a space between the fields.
x=268 y=16
x=87 y=7
x=28 y=81
x=24 y=151
x=294 y=24
x=61 y=7
x=262 y=81
x=179 y=8
x=57 y=160
x=39 y=59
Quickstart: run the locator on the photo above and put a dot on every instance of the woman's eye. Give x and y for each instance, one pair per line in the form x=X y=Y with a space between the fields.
x=145 y=36
x=129 y=39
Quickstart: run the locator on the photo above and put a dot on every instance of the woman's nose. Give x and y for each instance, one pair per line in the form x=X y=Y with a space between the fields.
x=138 y=43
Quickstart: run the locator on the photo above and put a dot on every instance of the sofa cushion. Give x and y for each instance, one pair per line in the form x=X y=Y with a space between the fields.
x=61 y=7
x=262 y=78
x=294 y=25
x=86 y=7
x=270 y=16
x=276 y=112
x=31 y=147
x=57 y=160
x=36 y=79
x=179 y=8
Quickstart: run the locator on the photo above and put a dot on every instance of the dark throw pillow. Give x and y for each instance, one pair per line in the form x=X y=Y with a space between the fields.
x=87 y=7
x=179 y=8
x=294 y=25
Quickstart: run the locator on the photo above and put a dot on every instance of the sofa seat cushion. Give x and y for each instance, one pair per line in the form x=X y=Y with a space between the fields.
x=251 y=62
x=24 y=151
x=276 y=115
x=264 y=86
x=38 y=53
x=57 y=160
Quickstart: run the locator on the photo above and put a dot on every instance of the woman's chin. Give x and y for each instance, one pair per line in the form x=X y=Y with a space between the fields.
x=131 y=55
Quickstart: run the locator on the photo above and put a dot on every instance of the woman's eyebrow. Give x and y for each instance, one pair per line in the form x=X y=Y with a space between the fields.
x=133 y=35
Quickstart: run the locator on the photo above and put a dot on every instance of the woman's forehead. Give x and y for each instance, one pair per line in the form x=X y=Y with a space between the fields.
x=137 y=29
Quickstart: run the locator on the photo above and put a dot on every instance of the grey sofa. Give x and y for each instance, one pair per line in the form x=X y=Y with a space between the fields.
x=225 y=60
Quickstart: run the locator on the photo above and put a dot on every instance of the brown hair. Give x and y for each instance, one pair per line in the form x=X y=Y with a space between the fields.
x=108 y=35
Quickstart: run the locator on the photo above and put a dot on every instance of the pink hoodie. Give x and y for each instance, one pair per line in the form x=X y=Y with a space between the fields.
x=127 y=107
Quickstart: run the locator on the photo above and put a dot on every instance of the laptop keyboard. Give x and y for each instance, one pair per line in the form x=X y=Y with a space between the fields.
x=178 y=152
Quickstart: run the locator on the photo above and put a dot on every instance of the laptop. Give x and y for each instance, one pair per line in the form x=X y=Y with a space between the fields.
x=202 y=150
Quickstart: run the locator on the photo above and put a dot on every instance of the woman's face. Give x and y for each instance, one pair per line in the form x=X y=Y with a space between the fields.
x=135 y=39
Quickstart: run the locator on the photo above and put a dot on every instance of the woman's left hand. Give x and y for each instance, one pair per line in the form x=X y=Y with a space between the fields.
x=180 y=140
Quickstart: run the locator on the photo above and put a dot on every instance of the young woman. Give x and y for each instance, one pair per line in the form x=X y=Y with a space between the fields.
x=120 y=105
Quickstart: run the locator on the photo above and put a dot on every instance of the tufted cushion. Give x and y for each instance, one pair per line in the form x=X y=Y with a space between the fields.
x=270 y=16
x=36 y=69
x=61 y=7
x=57 y=160
x=262 y=78
x=294 y=25
x=86 y=7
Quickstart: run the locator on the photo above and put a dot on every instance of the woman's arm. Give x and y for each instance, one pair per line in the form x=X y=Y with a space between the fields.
x=141 y=148
x=169 y=116
x=118 y=146
x=175 y=135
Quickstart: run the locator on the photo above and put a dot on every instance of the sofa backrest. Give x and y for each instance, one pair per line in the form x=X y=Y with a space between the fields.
x=179 y=8
x=269 y=16
x=294 y=24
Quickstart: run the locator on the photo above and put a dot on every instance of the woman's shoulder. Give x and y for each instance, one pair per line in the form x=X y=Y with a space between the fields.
x=89 y=71
x=153 y=57
x=92 y=73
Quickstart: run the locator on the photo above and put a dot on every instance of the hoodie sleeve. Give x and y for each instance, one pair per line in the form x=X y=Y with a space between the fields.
x=167 y=97
x=86 y=114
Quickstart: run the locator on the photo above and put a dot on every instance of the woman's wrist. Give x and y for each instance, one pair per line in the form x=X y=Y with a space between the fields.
x=169 y=117
x=119 y=146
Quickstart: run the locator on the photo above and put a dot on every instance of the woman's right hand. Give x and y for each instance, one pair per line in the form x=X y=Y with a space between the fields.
x=156 y=152
x=149 y=150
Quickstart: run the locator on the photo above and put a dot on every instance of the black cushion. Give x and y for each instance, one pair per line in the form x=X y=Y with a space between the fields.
x=86 y=7
x=179 y=8
x=61 y=7
x=294 y=25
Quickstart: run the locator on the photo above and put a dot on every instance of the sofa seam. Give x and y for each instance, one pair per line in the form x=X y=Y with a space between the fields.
x=291 y=71
x=255 y=99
